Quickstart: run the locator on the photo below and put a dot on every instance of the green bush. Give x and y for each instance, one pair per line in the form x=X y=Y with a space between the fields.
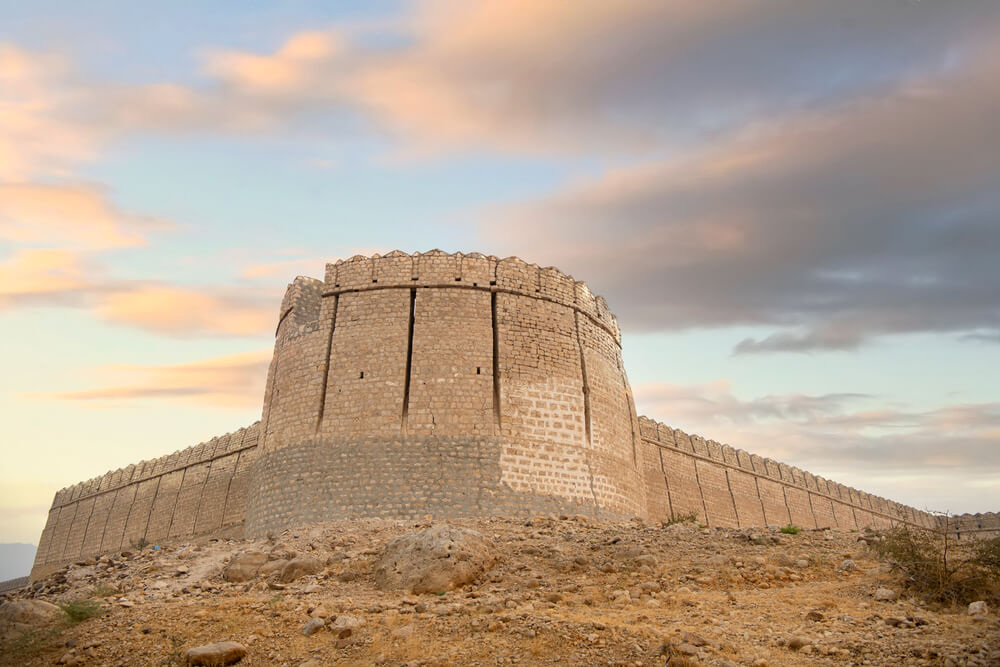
x=81 y=610
x=791 y=530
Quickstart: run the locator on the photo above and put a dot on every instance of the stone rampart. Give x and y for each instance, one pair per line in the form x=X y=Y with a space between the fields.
x=972 y=526
x=687 y=475
x=198 y=491
x=448 y=385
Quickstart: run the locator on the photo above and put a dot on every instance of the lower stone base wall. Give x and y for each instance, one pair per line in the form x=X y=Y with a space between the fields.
x=406 y=478
x=206 y=491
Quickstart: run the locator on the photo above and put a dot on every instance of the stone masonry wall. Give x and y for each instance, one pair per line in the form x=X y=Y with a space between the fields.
x=450 y=385
x=982 y=525
x=199 y=491
x=409 y=348
x=722 y=486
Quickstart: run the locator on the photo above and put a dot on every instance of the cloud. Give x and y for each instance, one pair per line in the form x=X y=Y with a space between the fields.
x=32 y=276
x=235 y=381
x=942 y=458
x=69 y=216
x=285 y=70
x=835 y=225
x=37 y=133
x=715 y=402
x=182 y=311
x=521 y=76
x=529 y=77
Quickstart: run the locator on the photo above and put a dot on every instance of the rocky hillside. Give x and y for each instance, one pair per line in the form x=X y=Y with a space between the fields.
x=565 y=591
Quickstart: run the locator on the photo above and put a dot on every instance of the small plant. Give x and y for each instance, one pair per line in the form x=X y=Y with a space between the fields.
x=29 y=643
x=791 y=529
x=80 y=610
x=691 y=517
x=103 y=591
x=140 y=543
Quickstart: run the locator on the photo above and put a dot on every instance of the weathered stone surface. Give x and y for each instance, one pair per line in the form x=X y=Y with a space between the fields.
x=300 y=567
x=439 y=558
x=978 y=608
x=885 y=594
x=25 y=615
x=313 y=626
x=244 y=566
x=215 y=655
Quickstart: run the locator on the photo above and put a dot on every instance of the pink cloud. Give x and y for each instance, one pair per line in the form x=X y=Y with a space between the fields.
x=182 y=311
x=234 y=381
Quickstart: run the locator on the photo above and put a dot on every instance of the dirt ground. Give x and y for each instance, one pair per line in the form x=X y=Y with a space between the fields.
x=564 y=590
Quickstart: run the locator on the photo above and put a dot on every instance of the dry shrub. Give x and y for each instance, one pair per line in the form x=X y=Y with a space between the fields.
x=938 y=567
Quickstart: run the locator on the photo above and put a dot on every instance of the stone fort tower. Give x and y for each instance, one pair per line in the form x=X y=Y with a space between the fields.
x=446 y=385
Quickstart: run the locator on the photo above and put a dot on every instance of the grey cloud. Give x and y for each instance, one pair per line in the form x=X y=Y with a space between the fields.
x=873 y=217
x=551 y=76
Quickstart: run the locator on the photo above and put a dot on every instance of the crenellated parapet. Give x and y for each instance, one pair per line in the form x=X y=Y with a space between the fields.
x=468 y=270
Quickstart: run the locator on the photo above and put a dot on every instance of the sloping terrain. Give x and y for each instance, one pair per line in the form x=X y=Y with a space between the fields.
x=563 y=591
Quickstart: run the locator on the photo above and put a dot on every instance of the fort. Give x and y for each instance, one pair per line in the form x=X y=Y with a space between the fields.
x=447 y=385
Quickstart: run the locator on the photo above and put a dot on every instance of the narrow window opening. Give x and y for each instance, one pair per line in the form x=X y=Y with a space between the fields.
x=479 y=370
x=374 y=280
x=362 y=376
x=493 y=282
x=458 y=280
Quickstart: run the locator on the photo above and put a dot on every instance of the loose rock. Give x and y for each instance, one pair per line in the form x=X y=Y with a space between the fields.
x=979 y=608
x=437 y=559
x=300 y=567
x=215 y=655
x=244 y=566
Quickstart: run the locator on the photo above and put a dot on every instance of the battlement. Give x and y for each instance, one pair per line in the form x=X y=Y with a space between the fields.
x=471 y=271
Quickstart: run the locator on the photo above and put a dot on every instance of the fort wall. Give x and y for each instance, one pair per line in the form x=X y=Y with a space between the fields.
x=198 y=491
x=448 y=385
x=721 y=486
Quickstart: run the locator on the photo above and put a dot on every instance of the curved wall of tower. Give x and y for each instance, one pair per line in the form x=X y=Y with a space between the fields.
x=442 y=384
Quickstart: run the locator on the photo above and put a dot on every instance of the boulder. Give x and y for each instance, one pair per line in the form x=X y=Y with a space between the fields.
x=313 y=626
x=215 y=655
x=886 y=594
x=300 y=567
x=244 y=566
x=436 y=559
x=26 y=615
x=978 y=608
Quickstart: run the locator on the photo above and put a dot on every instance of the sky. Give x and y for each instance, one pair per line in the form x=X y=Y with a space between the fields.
x=793 y=207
